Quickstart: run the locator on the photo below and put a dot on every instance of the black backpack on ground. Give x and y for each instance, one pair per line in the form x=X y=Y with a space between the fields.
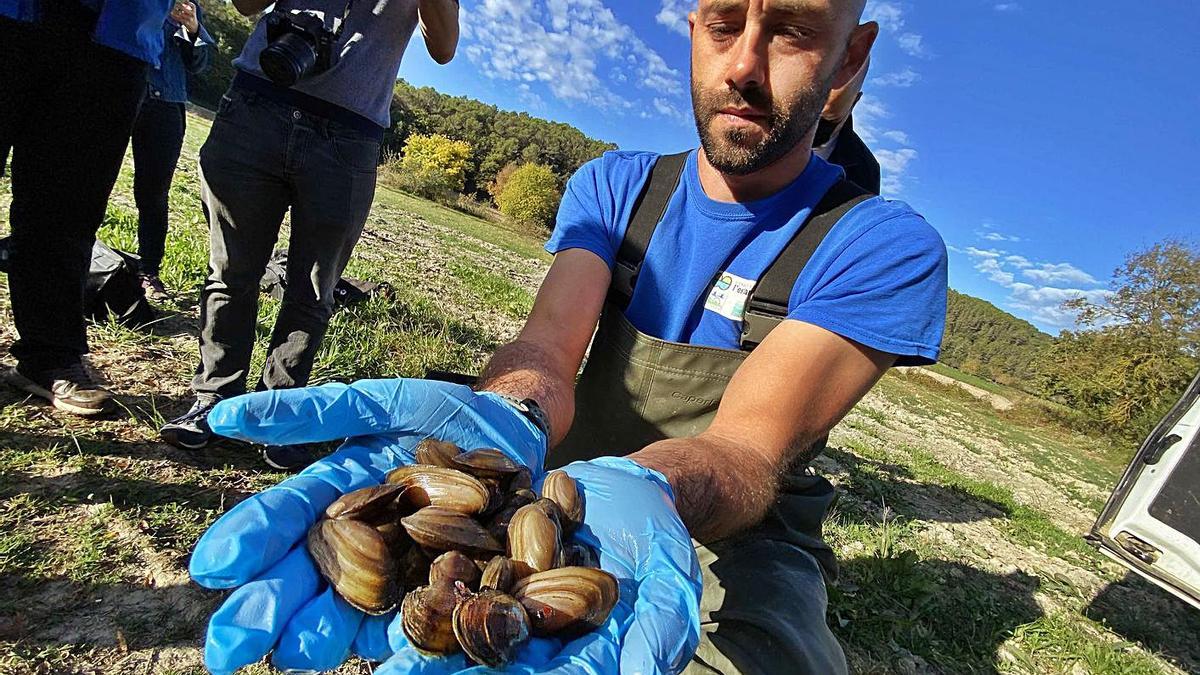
x=348 y=291
x=111 y=287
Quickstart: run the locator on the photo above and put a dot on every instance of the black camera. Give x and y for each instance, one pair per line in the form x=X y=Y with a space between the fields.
x=299 y=44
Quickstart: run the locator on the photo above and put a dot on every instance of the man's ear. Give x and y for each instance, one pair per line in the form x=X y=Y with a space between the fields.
x=691 y=24
x=858 y=50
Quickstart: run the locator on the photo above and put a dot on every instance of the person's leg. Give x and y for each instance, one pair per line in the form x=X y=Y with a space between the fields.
x=334 y=188
x=763 y=611
x=245 y=196
x=68 y=141
x=157 y=141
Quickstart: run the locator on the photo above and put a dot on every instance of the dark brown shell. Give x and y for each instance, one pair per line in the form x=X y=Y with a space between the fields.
x=370 y=504
x=454 y=566
x=487 y=463
x=427 y=618
x=443 y=529
x=567 y=602
x=579 y=555
x=499 y=574
x=490 y=626
x=357 y=562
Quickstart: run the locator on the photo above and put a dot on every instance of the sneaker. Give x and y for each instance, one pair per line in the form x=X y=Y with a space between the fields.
x=190 y=431
x=70 y=389
x=153 y=286
x=291 y=458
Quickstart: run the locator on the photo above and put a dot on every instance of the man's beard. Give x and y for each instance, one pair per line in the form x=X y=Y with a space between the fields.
x=731 y=152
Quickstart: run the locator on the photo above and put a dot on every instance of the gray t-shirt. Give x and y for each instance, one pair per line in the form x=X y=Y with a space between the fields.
x=371 y=45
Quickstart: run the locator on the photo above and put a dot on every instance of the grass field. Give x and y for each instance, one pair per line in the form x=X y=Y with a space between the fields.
x=959 y=530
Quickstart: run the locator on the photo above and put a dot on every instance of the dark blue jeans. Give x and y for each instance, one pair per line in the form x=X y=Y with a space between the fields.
x=261 y=159
x=66 y=109
x=157 y=140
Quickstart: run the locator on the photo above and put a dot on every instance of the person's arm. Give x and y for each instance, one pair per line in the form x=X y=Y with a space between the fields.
x=789 y=393
x=251 y=7
x=197 y=53
x=439 y=27
x=542 y=362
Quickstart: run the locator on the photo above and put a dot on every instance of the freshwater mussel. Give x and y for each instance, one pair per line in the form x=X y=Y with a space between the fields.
x=474 y=559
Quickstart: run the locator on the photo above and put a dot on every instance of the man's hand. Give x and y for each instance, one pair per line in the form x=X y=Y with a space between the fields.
x=184 y=14
x=258 y=546
x=630 y=519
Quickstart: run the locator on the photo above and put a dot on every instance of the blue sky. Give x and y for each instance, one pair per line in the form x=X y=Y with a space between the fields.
x=1045 y=140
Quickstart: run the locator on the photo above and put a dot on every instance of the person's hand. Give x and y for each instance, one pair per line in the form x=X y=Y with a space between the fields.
x=630 y=520
x=258 y=546
x=184 y=14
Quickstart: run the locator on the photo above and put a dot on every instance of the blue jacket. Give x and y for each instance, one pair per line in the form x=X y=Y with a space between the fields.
x=130 y=26
x=182 y=54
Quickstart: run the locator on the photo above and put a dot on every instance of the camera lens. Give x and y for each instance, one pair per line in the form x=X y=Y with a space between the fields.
x=287 y=58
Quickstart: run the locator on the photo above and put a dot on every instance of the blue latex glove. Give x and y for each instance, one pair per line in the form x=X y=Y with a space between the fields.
x=630 y=519
x=281 y=603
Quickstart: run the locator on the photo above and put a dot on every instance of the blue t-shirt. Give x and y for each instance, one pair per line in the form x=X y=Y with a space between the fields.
x=878 y=277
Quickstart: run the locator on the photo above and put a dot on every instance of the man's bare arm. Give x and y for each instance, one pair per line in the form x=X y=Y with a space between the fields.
x=542 y=362
x=790 y=392
x=439 y=27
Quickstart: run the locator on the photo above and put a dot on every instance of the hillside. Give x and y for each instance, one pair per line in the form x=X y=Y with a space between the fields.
x=958 y=527
x=984 y=340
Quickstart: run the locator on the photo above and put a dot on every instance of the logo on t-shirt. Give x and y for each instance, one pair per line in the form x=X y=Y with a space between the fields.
x=728 y=295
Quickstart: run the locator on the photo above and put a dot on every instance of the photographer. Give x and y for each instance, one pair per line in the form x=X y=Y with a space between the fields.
x=158 y=133
x=71 y=75
x=300 y=128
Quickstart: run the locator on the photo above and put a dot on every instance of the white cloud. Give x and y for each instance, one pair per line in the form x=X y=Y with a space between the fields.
x=997 y=236
x=1006 y=7
x=571 y=48
x=1042 y=303
x=901 y=79
x=1051 y=273
x=869 y=115
x=893 y=164
x=888 y=15
x=913 y=44
x=674 y=14
x=896 y=136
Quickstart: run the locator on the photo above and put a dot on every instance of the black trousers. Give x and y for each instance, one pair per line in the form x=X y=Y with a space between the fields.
x=157 y=140
x=66 y=109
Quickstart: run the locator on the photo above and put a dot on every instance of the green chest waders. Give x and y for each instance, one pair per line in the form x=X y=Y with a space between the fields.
x=637 y=389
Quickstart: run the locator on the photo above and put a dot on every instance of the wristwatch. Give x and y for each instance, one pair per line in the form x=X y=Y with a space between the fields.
x=531 y=410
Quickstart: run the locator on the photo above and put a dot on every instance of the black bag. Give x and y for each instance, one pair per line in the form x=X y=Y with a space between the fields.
x=348 y=291
x=111 y=286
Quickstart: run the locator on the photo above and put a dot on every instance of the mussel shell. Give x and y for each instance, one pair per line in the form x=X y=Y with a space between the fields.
x=567 y=602
x=437 y=453
x=439 y=486
x=522 y=480
x=370 y=504
x=454 y=566
x=487 y=462
x=520 y=497
x=490 y=626
x=357 y=562
x=443 y=529
x=414 y=566
x=499 y=574
x=579 y=555
x=534 y=539
x=427 y=618
x=561 y=488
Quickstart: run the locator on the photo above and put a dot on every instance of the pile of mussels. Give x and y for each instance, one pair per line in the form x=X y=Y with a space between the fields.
x=473 y=557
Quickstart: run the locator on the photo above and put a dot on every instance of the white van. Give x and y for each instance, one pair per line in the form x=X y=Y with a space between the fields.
x=1151 y=523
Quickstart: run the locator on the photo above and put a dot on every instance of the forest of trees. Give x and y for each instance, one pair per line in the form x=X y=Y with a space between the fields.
x=984 y=340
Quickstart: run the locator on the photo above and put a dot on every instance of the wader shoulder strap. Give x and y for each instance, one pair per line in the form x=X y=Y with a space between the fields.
x=647 y=211
x=767 y=305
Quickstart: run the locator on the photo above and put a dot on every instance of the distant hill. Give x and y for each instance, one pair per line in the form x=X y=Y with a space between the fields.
x=497 y=137
x=988 y=342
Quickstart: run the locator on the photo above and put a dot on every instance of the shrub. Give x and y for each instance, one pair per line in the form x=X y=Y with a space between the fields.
x=530 y=195
x=432 y=166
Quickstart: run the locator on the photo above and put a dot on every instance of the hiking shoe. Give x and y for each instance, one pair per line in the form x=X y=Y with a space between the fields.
x=190 y=431
x=290 y=458
x=153 y=286
x=70 y=389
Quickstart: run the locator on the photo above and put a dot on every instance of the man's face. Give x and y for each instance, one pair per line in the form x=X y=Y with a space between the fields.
x=761 y=72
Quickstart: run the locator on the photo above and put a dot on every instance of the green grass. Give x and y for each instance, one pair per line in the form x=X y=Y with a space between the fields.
x=984 y=384
x=494 y=290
